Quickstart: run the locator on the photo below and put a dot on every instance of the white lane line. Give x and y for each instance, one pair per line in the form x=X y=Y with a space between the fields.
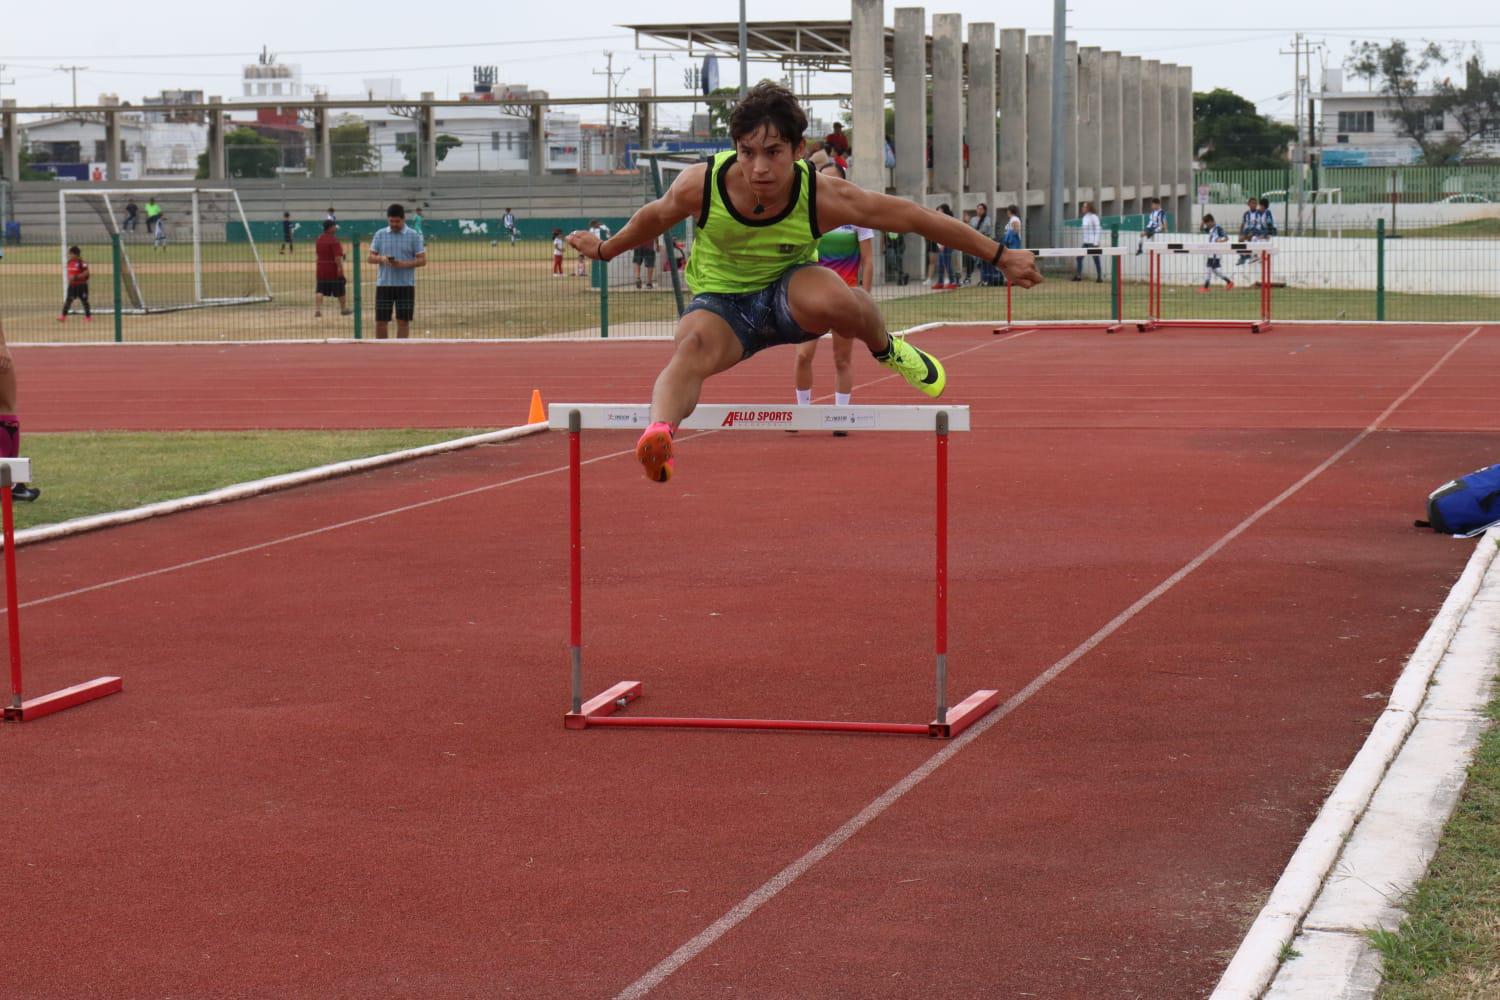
x=403 y=509
x=690 y=950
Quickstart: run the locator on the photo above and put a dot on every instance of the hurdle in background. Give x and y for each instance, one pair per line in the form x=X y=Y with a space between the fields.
x=600 y=710
x=1116 y=280
x=12 y=471
x=1158 y=252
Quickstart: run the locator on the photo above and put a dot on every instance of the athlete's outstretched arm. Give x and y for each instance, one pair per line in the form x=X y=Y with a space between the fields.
x=683 y=198
x=841 y=203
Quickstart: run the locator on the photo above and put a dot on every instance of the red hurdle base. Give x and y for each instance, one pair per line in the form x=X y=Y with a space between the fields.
x=78 y=694
x=600 y=711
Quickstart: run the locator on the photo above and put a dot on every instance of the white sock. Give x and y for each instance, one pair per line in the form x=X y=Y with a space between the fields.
x=804 y=397
x=842 y=398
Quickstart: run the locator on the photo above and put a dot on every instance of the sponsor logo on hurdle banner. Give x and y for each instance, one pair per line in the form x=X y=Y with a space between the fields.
x=857 y=419
x=622 y=418
x=756 y=418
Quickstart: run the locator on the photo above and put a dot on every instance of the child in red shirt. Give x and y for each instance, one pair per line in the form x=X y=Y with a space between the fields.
x=78 y=286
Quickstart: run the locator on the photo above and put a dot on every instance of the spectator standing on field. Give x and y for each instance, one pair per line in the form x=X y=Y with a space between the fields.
x=1092 y=232
x=644 y=256
x=159 y=231
x=78 y=286
x=557 y=253
x=508 y=221
x=399 y=250
x=330 y=270
x=330 y=216
x=286 y=234
x=416 y=221
x=945 y=278
x=985 y=226
x=836 y=142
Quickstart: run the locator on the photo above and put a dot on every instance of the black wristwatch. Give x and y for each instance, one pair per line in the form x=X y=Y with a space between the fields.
x=995 y=260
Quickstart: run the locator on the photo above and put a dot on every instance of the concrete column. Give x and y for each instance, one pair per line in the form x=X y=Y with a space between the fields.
x=1072 y=108
x=427 y=137
x=982 y=113
x=1090 y=103
x=948 y=108
x=11 y=152
x=1150 y=131
x=911 y=123
x=1038 y=139
x=1186 y=145
x=112 y=146
x=1111 y=143
x=1167 y=186
x=216 y=167
x=1012 y=178
x=323 y=141
x=644 y=119
x=867 y=65
x=536 y=150
x=1130 y=124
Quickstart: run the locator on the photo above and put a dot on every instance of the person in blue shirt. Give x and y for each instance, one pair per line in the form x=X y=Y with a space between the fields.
x=399 y=250
x=1215 y=234
x=1267 y=220
x=1252 y=226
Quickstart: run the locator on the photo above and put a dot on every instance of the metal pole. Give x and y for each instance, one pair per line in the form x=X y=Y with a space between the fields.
x=359 y=313
x=941 y=645
x=575 y=557
x=744 y=46
x=1380 y=269
x=1059 y=105
x=116 y=255
x=12 y=602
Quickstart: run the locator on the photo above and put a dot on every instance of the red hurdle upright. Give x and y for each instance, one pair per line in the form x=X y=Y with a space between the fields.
x=602 y=708
x=19 y=709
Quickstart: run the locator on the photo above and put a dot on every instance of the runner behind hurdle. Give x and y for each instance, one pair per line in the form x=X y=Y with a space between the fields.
x=1215 y=234
x=849 y=252
x=760 y=213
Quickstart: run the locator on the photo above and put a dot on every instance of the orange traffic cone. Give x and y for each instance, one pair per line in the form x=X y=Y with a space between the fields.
x=538 y=411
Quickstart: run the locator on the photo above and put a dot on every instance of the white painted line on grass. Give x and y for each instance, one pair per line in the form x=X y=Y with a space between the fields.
x=788 y=875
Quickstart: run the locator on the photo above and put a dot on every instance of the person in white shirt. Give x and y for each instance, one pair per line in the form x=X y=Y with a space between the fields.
x=1092 y=231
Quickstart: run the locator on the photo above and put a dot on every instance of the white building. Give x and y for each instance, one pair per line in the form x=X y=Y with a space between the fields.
x=267 y=77
x=1355 y=130
x=148 y=149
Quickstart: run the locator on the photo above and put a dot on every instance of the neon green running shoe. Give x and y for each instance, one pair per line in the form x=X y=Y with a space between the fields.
x=919 y=368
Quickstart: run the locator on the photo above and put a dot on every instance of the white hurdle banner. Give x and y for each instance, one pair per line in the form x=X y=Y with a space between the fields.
x=1072 y=252
x=1210 y=249
x=760 y=417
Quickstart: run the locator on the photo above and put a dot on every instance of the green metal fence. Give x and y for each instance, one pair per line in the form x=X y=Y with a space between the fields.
x=1360 y=185
x=482 y=285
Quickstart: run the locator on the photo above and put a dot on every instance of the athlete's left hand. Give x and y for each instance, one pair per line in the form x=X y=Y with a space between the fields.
x=585 y=243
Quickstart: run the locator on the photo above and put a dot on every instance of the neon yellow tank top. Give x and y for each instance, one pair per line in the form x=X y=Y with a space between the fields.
x=733 y=254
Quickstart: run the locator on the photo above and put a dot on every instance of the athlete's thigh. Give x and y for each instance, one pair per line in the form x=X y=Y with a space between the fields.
x=818 y=298
x=710 y=340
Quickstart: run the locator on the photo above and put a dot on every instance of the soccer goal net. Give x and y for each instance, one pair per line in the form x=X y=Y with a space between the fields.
x=180 y=248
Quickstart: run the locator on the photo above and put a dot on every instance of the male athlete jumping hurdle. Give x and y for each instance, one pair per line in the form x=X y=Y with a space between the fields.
x=761 y=210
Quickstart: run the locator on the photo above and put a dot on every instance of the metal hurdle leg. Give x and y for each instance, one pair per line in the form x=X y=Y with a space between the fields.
x=19 y=709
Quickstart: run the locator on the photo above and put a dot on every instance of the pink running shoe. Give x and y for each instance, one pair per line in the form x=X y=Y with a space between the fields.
x=654 y=450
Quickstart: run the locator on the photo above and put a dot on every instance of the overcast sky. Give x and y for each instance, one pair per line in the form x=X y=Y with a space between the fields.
x=139 y=47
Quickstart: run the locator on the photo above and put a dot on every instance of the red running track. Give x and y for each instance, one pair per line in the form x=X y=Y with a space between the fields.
x=339 y=768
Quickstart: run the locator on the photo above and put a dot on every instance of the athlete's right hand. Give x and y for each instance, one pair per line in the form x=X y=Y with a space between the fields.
x=585 y=243
x=1019 y=268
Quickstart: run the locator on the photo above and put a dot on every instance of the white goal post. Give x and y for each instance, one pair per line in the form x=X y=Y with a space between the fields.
x=105 y=212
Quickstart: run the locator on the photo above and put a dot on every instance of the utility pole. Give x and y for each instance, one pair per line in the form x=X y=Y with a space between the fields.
x=1059 y=104
x=1297 y=157
x=744 y=53
x=610 y=76
x=3 y=81
x=74 y=70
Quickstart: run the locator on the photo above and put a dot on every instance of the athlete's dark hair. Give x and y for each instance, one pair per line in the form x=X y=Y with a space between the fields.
x=1265 y=203
x=769 y=104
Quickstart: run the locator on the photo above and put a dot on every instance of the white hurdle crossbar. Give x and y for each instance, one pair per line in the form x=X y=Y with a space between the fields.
x=937 y=420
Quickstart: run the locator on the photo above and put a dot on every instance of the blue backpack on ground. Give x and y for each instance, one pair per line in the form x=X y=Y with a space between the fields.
x=1465 y=506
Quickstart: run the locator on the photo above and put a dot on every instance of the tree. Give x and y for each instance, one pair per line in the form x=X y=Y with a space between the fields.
x=1229 y=134
x=247 y=153
x=1444 y=119
x=720 y=104
x=408 y=148
x=352 y=153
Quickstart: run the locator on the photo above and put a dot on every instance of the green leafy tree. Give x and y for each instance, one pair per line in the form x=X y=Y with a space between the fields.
x=720 y=105
x=408 y=148
x=1229 y=134
x=352 y=154
x=1397 y=71
x=247 y=153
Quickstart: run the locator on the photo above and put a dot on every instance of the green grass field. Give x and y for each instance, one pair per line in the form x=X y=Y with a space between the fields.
x=472 y=289
x=1449 y=946
x=82 y=474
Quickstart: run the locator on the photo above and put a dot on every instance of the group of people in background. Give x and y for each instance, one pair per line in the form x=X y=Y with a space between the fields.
x=156 y=221
x=940 y=262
